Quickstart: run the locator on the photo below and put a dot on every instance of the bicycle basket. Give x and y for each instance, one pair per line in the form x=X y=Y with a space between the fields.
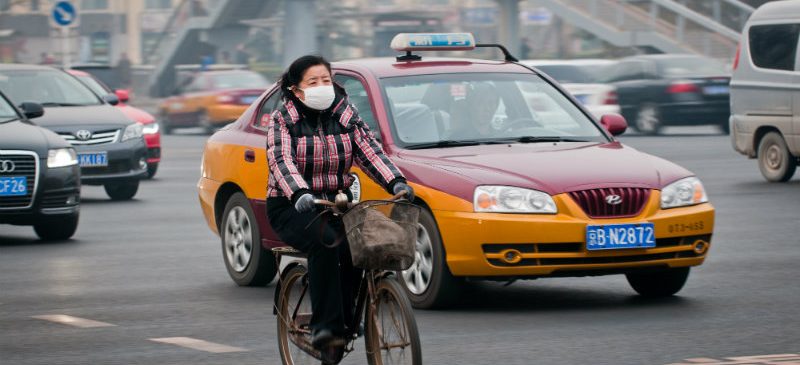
x=382 y=234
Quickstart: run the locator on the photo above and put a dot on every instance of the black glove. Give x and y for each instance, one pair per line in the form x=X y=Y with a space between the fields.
x=305 y=203
x=401 y=186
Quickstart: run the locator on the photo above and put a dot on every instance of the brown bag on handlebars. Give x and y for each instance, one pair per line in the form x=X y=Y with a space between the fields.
x=382 y=234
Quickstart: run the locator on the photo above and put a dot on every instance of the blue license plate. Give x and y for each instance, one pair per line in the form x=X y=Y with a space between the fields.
x=716 y=90
x=582 y=98
x=620 y=236
x=98 y=159
x=13 y=186
x=248 y=99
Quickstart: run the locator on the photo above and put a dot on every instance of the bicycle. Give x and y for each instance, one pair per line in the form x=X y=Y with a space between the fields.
x=390 y=330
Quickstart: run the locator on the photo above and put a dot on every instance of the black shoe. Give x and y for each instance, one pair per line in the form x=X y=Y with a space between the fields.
x=325 y=338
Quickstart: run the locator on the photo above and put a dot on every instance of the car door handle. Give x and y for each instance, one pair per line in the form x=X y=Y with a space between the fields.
x=249 y=156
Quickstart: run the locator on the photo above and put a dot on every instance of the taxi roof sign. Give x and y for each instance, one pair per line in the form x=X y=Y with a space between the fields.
x=408 y=42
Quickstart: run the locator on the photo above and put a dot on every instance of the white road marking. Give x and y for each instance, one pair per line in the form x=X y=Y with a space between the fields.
x=779 y=359
x=73 y=321
x=196 y=344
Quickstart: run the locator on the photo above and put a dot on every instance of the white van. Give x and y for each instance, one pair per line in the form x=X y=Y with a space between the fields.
x=765 y=90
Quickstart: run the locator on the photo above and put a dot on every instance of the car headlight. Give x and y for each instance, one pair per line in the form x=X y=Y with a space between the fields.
x=151 y=128
x=684 y=192
x=507 y=199
x=61 y=157
x=132 y=131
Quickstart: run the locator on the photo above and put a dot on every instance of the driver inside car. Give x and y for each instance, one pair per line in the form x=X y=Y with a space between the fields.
x=472 y=117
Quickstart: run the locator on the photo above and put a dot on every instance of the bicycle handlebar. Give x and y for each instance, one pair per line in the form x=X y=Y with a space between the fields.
x=329 y=203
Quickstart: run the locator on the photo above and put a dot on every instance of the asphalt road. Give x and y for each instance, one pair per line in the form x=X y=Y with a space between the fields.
x=150 y=269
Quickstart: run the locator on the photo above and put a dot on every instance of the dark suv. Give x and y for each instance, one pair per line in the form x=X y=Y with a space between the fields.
x=111 y=148
x=39 y=175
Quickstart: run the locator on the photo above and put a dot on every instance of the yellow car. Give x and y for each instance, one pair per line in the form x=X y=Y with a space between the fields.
x=211 y=99
x=538 y=194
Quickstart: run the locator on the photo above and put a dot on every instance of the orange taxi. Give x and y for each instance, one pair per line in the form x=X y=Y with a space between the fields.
x=211 y=99
x=508 y=191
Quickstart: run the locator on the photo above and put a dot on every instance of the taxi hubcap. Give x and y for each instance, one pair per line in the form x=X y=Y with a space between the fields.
x=774 y=157
x=238 y=239
x=418 y=277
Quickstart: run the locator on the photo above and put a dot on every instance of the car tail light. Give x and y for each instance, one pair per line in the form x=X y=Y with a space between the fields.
x=681 y=87
x=611 y=98
x=736 y=56
x=226 y=99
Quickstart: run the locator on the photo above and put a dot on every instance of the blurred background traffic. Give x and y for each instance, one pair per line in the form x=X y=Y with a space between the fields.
x=156 y=50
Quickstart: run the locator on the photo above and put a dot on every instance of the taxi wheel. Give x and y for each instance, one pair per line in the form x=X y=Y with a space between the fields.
x=56 y=229
x=122 y=190
x=660 y=283
x=248 y=263
x=774 y=159
x=648 y=119
x=204 y=121
x=164 y=124
x=428 y=282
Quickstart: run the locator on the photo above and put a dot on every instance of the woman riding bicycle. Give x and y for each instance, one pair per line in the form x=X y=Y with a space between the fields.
x=314 y=137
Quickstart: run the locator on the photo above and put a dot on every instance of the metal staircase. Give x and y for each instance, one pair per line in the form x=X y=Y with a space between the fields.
x=710 y=28
x=187 y=30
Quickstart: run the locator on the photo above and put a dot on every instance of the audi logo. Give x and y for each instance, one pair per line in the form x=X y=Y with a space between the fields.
x=613 y=199
x=7 y=166
x=83 y=135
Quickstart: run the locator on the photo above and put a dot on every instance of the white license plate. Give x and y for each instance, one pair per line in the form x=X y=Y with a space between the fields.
x=98 y=159
x=13 y=186
x=620 y=236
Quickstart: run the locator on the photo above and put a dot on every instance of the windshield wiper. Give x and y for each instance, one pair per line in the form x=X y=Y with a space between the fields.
x=440 y=144
x=533 y=139
x=52 y=103
x=9 y=120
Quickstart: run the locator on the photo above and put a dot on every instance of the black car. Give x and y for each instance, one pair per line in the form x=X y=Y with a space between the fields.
x=654 y=91
x=111 y=148
x=39 y=175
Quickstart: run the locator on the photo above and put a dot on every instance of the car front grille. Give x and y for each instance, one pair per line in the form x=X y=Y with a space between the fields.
x=26 y=163
x=99 y=137
x=595 y=202
x=575 y=253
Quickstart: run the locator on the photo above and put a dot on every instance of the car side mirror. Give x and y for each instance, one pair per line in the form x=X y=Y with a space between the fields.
x=32 y=110
x=614 y=124
x=111 y=99
x=123 y=95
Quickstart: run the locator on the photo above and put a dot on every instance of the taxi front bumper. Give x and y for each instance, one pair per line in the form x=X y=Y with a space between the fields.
x=480 y=244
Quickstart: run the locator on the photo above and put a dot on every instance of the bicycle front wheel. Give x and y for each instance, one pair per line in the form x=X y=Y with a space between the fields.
x=391 y=334
x=294 y=315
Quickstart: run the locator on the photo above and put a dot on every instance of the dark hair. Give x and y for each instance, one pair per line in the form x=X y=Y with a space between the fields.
x=294 y=74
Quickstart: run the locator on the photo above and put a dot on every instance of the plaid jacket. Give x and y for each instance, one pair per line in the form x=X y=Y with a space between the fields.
x=316 y=155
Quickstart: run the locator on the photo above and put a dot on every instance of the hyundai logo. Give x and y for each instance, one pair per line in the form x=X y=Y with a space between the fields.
x=613 y=199
x=7 y=166
x=83 y=135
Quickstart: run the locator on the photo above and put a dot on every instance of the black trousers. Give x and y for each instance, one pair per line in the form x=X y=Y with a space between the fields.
x=332 y=278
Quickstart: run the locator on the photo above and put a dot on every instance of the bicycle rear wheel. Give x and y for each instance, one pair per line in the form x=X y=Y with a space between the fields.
x=392 y=337
x=294 y=315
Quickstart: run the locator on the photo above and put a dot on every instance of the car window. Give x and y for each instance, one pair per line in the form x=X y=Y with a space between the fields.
x=689 y=67
x=272 y=102
x=774 y=46
x=197 y=84
x=627 y=71
x=51 y=87
x=470 y=107
x=94 y=85
x=239 y=80
x=566 y=74
x=358 y=97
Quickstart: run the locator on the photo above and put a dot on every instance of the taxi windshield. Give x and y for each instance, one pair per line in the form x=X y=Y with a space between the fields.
x=446 y=109
x=46 y=87
x=239 y=80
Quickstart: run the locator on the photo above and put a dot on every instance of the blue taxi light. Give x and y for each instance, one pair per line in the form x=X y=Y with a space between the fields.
x=407 y=42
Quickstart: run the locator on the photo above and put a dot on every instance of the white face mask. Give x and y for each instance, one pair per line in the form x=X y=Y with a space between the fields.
x=319 y=97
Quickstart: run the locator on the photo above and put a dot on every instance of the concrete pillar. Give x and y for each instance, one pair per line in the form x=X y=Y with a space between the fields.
x=508 y=25
x=299 y=30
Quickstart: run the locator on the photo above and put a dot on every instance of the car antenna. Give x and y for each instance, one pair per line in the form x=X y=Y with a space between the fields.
x=409 y=57
x=506 y=53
